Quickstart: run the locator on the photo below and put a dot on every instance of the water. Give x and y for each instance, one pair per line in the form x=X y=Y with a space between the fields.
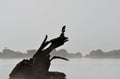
x=75 y=68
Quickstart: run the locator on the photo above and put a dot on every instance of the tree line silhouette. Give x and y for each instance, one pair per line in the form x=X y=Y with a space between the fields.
x=8 y=53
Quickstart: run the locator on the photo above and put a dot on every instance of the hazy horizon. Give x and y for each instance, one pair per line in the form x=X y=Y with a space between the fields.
x=91 y=24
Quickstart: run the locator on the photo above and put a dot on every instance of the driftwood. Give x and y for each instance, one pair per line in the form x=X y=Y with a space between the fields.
x=38 y=66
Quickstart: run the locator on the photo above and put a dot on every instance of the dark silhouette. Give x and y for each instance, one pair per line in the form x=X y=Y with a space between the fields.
x=37 y=67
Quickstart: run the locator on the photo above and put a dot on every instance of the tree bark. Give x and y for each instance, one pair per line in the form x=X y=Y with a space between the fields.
x=38 y=66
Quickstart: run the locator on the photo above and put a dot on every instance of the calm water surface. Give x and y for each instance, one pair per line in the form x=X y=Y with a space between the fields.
x=74 y=69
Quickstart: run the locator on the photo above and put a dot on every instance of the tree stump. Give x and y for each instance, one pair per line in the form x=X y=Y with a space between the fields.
x=38 y=66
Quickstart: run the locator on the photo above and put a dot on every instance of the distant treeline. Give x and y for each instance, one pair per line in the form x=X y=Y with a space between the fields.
x=8 y=54
x=101 y=54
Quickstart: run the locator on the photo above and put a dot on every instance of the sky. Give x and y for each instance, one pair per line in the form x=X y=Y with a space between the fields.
x=91 y=24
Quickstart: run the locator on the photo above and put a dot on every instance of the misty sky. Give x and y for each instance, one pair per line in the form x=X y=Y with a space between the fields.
x=91 y=24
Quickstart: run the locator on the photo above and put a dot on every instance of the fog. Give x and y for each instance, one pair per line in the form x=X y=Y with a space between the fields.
x=91 y=24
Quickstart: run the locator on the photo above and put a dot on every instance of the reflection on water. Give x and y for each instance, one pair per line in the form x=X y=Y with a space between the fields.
x=75 y=68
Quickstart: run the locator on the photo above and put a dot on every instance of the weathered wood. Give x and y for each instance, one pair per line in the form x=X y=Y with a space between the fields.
x=38 y=66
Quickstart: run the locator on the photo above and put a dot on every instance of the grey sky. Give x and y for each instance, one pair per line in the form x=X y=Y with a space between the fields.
x=91 y=24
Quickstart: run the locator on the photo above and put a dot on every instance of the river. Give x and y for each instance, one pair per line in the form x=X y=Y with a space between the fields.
x=74 y=69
